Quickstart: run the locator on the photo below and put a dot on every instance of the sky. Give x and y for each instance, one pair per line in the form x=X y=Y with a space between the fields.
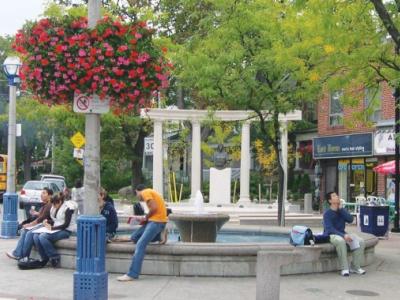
x=14 y=13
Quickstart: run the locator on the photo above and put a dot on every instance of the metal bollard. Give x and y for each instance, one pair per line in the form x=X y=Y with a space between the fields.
x=90 y=278
x=9 y=225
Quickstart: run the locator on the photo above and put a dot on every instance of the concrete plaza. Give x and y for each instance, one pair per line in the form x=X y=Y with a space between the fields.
x=381 y=282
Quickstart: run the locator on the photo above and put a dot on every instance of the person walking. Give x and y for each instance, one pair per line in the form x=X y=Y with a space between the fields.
x=77 y=195
x=335 y=219
x=152 y=230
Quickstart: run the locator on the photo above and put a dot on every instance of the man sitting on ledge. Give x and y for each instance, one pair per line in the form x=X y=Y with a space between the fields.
x=335 y=219
x=153 y=229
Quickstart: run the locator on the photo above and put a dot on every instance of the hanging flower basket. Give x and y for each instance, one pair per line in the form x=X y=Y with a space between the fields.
x=62 y=56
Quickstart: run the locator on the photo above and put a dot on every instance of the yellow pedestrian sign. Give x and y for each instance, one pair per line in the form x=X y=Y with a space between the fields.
x=78 y=140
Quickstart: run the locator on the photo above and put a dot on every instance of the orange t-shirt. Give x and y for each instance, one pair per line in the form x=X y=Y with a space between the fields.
x=160 y=215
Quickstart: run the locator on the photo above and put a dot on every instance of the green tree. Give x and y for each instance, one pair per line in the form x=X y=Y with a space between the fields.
x=254 y=55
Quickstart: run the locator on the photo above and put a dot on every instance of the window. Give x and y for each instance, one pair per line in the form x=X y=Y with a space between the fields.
x=373 y=104
x=336 y=109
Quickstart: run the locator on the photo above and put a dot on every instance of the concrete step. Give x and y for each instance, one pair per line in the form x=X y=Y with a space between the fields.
x=289 y=221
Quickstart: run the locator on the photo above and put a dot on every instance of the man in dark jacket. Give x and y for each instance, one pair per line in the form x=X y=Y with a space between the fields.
x=335 y=219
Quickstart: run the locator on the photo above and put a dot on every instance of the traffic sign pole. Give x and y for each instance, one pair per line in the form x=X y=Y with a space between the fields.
x=91 y=279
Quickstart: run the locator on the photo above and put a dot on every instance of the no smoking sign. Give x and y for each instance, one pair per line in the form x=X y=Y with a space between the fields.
x=82 y=102
x=91 y=104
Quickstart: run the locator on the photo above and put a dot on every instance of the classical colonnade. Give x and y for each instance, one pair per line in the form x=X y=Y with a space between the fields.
x=159 y=116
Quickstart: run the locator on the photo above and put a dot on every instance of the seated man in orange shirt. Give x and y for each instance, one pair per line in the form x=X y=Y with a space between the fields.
x=153 y=229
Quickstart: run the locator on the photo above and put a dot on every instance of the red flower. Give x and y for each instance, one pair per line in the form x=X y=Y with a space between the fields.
x=44 y=62
x=63 y=56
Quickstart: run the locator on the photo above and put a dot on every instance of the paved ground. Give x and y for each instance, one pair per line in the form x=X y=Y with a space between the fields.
x=382 y=281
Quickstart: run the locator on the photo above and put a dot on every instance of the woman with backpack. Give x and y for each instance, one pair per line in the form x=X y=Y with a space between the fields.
x=60 y=227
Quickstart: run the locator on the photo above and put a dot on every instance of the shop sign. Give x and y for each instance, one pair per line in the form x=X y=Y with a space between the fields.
x=384 y=142
x=350 y=145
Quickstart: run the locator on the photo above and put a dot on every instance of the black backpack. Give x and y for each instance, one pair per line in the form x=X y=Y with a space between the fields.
x=138 y=209
x=30 y=263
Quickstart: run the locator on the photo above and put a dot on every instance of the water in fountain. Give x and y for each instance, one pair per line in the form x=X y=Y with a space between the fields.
x=199 y=203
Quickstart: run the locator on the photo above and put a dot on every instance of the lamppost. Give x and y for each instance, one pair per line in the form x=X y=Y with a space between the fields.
x=397 y=158
x=9 y=225
x=317 y=181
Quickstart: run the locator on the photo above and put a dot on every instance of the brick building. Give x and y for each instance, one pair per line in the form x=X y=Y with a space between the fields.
x=352 y=140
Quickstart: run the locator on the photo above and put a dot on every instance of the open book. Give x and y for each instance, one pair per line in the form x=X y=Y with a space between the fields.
x=37 y=226
x=44 y=230
x=355 y=243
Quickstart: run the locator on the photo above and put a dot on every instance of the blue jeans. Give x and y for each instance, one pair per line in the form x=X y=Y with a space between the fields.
x=44 y=243
x=150 y=232
x=24 y=245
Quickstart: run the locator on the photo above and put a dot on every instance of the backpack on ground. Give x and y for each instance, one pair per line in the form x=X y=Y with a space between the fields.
x=29 y=264
x=301 y=235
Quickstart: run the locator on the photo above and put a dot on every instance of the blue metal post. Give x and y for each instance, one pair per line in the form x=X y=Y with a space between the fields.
x=90 y=278
x=9 y=225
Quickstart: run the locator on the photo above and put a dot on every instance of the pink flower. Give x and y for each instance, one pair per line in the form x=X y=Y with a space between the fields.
x=81 y=52
x=138 y=35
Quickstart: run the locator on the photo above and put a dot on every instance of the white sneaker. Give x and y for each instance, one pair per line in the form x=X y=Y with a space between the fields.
x=125 y=278
x=358 y=271
x=345 y=273
x=12 y=256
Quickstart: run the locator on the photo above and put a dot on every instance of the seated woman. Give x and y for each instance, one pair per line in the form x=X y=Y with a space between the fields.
x=60 y=227
x=108 y=211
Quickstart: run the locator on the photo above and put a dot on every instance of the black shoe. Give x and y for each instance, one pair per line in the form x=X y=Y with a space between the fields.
x=44 y=262
x=55 y=262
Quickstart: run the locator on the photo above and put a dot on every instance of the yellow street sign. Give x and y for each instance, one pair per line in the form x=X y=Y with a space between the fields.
x=78 y=140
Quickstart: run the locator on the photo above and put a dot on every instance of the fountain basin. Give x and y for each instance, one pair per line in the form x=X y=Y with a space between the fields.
x=212 y=259
x=198 y=227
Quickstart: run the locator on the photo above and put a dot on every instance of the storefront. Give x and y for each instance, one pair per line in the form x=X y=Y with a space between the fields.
x=384 y=148
x=347 y=164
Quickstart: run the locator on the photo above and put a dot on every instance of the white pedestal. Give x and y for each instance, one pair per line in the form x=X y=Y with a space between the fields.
x=220 y=186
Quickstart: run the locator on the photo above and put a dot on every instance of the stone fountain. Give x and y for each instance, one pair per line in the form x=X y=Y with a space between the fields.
x=199 y=226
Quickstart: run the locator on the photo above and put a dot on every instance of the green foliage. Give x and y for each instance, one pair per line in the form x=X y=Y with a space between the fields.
x=114 y=176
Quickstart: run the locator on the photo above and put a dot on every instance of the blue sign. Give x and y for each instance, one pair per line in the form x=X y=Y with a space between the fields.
x=350 y=145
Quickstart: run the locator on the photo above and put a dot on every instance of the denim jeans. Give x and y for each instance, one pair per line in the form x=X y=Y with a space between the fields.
x=149 y=232
x=44 y=243
x=24 y=245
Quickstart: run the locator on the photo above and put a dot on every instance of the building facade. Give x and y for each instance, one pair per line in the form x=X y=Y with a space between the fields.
x=352 y=140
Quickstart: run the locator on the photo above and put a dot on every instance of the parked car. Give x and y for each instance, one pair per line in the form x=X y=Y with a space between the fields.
x=29 y=196
x=57 y=179
x=59 y=182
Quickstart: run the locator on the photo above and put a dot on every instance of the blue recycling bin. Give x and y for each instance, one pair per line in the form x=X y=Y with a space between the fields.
x=374 y=219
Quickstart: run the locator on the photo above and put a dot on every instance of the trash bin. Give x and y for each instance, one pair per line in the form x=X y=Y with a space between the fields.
x=374 y=219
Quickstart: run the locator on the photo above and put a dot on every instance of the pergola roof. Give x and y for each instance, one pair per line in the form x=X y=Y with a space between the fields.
x=162 y=114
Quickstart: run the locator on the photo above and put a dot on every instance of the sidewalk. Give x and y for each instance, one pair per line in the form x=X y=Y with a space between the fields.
x=382 y=280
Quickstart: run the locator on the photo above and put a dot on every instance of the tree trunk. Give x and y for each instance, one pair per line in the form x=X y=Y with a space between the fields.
x=27 y=165
x=180 y=101
x=137 y=161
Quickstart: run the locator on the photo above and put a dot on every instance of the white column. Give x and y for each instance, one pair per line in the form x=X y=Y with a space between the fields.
x=297 y=162
x=158 y=157
x=245 y=165
x=196 y=159
x=284 y=163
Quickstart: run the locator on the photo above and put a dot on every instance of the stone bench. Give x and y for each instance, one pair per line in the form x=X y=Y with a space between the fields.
x=209 y=259
x=269 y=265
